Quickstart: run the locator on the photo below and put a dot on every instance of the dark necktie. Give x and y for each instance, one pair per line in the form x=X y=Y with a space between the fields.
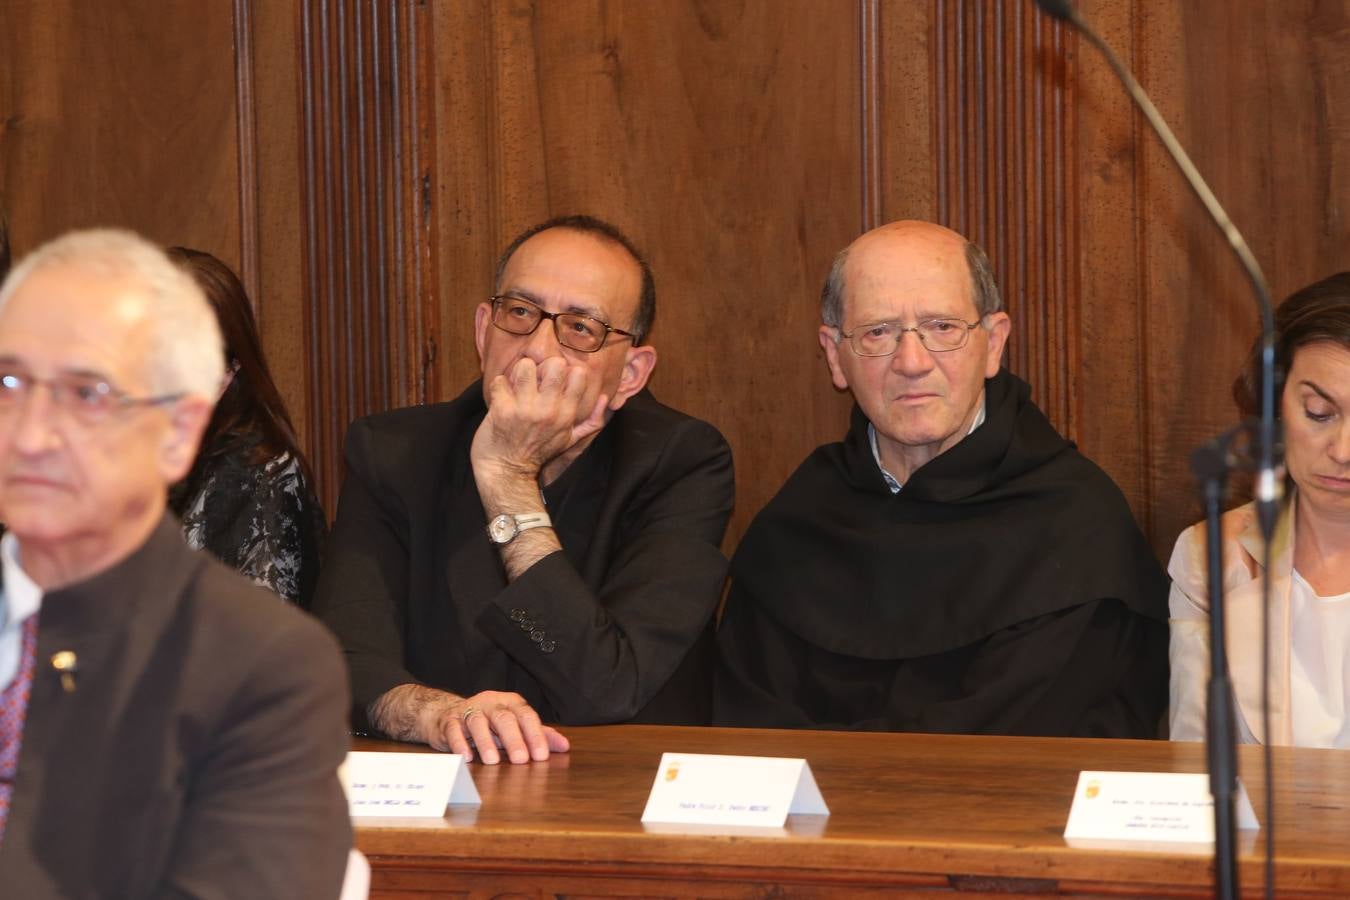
x=13 y=706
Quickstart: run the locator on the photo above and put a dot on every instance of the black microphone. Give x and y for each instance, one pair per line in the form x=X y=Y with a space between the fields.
x=1269 y=484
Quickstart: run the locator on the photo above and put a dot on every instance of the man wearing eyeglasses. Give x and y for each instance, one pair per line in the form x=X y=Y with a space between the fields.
x=166 y=727
x=954 y=565
x=544 y=548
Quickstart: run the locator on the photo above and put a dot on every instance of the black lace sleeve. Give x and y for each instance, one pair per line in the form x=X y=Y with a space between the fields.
x=262 y=520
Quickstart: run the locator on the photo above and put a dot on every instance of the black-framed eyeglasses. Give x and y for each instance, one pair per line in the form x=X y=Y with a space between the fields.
x=936 y=335
x=87 y=399
x=576 y=331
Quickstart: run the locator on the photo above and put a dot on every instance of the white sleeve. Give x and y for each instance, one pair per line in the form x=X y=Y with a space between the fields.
x=1188 y=643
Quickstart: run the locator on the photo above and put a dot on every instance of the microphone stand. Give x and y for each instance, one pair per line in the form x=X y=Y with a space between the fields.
x=1211 y=464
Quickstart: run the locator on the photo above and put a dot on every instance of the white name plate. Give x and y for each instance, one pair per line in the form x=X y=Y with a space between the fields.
x=1149 y=806
x=707 y=789
x=406 y=784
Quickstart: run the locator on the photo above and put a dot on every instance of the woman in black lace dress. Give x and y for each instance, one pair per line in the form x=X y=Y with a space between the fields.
x=249 y=499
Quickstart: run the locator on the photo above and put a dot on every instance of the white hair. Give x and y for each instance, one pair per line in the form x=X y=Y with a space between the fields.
x=187 y=352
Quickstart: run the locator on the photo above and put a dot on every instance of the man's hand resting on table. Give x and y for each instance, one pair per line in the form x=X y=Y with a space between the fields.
x=490 y=721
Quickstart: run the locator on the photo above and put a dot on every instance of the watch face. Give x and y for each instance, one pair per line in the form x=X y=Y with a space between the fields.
x=502 y=529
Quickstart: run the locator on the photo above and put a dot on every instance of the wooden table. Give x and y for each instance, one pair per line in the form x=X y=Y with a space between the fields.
x=911 y=815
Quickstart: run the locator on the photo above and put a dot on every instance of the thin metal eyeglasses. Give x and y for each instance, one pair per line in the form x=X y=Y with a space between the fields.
x=575 y=331
x=87 y=399
x=936 y=336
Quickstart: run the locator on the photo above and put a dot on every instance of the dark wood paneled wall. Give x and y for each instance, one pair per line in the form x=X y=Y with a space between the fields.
x=1006 y=165
x=369 y=292
x=120 y=114
x=1260 y=92
x=364 y=163
x=722 y=136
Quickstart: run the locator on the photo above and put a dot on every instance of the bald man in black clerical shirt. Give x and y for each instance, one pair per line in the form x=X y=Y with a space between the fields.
x=954 y=565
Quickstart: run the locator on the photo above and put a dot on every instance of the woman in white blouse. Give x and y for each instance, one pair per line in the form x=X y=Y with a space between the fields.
x=1310 y=553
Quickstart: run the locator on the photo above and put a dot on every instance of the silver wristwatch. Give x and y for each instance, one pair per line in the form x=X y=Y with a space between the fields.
x=504 y=528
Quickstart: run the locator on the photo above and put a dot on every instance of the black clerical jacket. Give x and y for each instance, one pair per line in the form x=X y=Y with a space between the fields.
x=1004 y=590
x=614 y=627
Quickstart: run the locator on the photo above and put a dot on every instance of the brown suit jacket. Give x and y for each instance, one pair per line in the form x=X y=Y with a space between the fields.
x=197 y=754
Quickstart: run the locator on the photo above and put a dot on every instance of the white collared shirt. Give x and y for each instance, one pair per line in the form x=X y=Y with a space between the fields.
x=891 y=481
x=20 y=599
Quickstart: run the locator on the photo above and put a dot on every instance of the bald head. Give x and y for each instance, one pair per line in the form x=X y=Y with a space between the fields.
x=935 y=236
x=905 y=244
x=921 y=384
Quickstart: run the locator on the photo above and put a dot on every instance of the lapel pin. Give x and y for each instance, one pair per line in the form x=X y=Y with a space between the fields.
x=65 y=662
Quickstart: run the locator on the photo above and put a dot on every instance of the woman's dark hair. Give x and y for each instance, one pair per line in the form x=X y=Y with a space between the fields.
x=250 y=411
x=1318 y=312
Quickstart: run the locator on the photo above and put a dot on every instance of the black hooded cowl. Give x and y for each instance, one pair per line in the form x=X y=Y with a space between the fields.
x=1004 y=589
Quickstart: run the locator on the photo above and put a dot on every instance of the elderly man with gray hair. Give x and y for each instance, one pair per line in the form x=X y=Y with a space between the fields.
x=166 y=728
x=954 y=565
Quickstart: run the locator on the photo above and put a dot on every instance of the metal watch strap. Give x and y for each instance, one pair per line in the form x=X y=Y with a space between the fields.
x=505 y=528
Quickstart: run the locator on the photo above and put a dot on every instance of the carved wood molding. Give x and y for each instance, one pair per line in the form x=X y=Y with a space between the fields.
x=872 y=60
x=1005 y=155
x=367 y=164
x=246 y=122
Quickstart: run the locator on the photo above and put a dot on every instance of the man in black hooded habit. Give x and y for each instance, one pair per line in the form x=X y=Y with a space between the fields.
x=954 y=565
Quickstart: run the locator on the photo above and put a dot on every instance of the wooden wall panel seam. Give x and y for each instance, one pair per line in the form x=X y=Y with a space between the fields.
x=246 y=125
x=317 y=425
x=423 y=285
x=385 y=42
x=940 y=87
x=871 y=57
x=1149 y=516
